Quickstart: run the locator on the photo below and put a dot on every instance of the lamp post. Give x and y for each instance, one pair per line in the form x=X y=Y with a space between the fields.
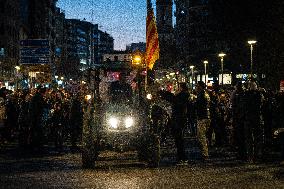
x=17 y=72
x=137 y=62
x=205 y=71
x=251 y=43
x=192 y=72
x=221 y=55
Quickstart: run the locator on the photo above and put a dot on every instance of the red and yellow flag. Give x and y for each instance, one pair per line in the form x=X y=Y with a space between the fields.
x=152 y=40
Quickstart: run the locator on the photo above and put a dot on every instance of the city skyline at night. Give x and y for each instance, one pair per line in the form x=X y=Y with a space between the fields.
x=123 y=19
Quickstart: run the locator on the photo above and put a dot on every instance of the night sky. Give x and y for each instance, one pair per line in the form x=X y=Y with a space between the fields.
x=123 y=19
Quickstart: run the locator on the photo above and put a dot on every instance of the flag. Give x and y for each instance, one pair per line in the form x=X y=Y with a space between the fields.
x=152 y=41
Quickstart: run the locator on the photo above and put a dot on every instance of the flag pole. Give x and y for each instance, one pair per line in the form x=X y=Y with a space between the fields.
x=149 y=7
x=146 y=78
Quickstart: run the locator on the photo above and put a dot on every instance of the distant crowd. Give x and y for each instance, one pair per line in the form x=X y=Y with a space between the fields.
x=41 y=116
x=243 y=117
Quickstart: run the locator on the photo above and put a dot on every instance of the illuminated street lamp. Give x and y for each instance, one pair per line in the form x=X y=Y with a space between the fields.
x=17 y=76
x=62 y=78
x=17 y=68
x=205 y=71
x=192 y=72
x=56 y=77
x=137 y=62
x=251 y=43
x=221 y=55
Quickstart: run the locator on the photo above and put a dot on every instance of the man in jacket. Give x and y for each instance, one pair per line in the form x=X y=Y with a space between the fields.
x=203 y=117
x=179 y=113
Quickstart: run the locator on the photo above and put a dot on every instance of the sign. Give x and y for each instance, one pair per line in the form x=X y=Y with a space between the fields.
x=34 y=60
x=34 y=51
x=282 y=85
x=2 y=52
x=34 y=43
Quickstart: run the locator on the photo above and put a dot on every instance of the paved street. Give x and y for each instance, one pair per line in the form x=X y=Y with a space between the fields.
x=54 y=170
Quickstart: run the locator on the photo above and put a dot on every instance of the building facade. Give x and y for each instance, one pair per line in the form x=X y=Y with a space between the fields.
x=141 y=46
x=164 y=18
x=105 y=45
x=60 y=49
x=117 y=60
x=78 y=47
x=9 y=37
x=196 y=40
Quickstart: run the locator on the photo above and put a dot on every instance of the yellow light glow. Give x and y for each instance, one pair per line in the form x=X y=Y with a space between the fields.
x=191 y=67
x=17 y=68
x=88 y=97
x=205 y=62
x=137 y=59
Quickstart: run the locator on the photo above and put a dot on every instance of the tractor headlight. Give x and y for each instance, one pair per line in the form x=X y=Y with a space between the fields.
x=149 y=96
x=129 y=122
x=113 y=122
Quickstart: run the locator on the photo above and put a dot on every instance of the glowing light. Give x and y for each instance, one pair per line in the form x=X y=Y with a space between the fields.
x=149 y=96
x=113 y=122
x=222 y=55
x=129 y=122
x=251 y=42
x=88 y=97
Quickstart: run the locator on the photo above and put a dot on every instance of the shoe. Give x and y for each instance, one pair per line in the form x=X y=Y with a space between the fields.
x=204 y=158
x=182 y=163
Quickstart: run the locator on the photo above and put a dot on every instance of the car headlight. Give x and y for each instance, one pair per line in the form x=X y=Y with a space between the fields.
x=129 y=122
x=113 y=122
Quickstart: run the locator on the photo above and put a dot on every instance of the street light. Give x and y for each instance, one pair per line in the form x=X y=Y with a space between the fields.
x=221 y=55
x=56 y=77
x=205 y=71
x=17 y=72
x=251 y=43
x=137 y=60
x=17 y=68
x=191 y=67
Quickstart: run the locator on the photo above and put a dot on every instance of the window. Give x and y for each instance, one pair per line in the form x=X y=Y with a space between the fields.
x=116 y=58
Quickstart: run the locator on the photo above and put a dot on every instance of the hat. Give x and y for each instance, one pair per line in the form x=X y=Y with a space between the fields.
x=252 y=86
x=201 y=84
x=183 y=86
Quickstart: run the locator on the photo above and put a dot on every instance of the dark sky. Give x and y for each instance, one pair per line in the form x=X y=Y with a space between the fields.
x=123 y=19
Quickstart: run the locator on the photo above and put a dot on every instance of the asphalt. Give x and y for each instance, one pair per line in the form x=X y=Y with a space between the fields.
x=51 y=168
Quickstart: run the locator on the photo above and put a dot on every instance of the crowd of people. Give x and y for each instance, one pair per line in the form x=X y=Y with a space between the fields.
x=41 y=116
x=243 y=117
